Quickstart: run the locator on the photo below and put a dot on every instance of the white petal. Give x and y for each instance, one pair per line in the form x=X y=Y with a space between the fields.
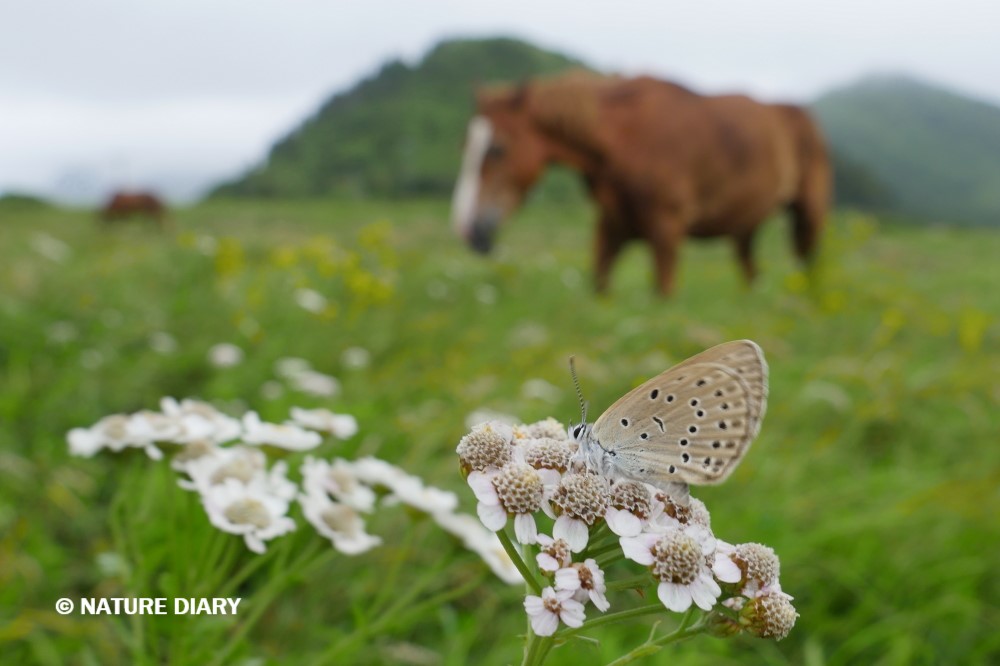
x=725 y=569
x=550 y=477
x=546 y=562
x=710 y=584
x=623 y=523
x=533 y=605
x=567 y=579
x=571 y=530
x=153 y=452
x=254 y=543
x=572 y=613
x=701 y=594
x=599 y=600
x=493 y=517
x=545 y=623
x=525 y=529
x=483 y=488
x=675 y=597
x=637 y=549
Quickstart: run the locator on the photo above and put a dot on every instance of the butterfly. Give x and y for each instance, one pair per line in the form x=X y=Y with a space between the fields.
x=691 y=424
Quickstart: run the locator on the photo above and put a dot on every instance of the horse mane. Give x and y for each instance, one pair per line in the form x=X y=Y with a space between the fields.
x=565 y=107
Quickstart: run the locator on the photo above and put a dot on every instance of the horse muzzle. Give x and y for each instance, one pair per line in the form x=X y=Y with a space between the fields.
x=483 y=230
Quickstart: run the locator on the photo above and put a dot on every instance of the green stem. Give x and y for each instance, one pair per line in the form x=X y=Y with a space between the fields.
x=630 y=583
x=609 y=558
x=538 y=649
x=599 y=531
x=611 y=618
x=654 y=646
x=604 y=547
x=686 y=619
x=515 y=556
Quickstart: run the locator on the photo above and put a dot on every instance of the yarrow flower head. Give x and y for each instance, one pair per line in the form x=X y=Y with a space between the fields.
x=488 y=445
x=679 y=559
x=338 y=521
x=546 y=611
x=582 y=499
x=672 y=513
x=516 y=490
x=546 y=429
x=759 y=567
x=586 y=580
x=248 y=510
x=770 y=615
x=338 y=479
x=551 y=455
x=554 y=555
x=629 y=508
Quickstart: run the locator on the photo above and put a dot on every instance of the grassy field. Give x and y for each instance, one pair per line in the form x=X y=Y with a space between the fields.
x=876 y=477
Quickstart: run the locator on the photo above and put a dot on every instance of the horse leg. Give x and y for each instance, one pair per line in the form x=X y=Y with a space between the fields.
x=809 y=209
x=807 y=222
x=744 y=253
x=665 y=240
x=607 y=245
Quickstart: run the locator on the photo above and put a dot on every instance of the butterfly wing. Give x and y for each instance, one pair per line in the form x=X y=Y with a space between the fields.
x=692 y=423
x=745 y=358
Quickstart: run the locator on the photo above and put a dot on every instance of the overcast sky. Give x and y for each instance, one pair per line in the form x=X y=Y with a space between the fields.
x=177 y=94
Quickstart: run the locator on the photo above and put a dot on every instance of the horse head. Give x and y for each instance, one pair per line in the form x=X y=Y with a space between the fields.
x=504 y=156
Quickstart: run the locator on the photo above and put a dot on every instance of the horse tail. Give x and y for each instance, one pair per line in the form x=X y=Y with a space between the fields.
x=811 y=201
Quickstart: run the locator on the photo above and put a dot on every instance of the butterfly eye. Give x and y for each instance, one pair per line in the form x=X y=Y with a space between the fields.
x=576 y=431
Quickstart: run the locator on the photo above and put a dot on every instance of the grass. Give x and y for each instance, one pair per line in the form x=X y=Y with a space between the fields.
x=875 y=477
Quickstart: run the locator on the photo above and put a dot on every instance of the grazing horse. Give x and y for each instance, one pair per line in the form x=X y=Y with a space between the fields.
x=660 y=161
x=123 y=205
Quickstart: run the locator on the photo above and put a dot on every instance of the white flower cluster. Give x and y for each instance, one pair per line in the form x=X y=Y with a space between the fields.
x=200 y=427
x=525 y=472
x=221 y=459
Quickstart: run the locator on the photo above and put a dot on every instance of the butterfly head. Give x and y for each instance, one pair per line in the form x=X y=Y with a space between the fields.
x=591 y=453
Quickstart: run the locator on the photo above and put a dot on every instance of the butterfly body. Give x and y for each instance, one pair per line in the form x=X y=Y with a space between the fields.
x=691 y=424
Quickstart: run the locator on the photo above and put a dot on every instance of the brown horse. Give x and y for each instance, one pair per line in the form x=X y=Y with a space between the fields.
x=660 y=161
x=123 y=205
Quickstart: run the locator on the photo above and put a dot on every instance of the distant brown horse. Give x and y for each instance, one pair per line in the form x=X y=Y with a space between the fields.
x=123 y=205
x=660 y=161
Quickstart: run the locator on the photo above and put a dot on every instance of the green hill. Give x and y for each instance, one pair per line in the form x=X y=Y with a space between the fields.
x=925 y=151
x=398 y=132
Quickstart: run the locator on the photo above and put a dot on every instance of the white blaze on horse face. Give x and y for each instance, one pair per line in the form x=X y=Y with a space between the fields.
x=463 y=202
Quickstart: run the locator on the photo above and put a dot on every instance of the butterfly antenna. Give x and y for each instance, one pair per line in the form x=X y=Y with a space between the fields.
x=579 y=393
